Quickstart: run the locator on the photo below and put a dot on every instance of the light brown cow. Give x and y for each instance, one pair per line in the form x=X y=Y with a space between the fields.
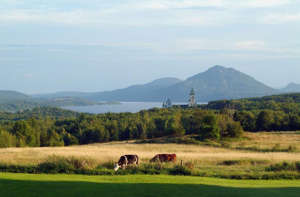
x=164 y=158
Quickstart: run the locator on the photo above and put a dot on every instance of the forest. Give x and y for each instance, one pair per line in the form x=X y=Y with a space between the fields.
x=270 y=113
x=87 y=128
x=217 y=120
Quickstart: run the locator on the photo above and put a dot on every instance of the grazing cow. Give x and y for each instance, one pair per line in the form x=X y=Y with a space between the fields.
x=126 y=160
x=164 y=158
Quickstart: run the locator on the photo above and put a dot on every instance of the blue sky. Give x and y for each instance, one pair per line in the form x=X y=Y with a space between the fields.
x=95 y=45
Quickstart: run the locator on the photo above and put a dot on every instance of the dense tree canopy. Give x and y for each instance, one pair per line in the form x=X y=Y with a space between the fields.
x=87 y=128
x=216 y=120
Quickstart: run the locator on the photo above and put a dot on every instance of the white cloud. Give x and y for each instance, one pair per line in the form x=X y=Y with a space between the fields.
x=251 y=45
x=261 y=3
x=276 y=18
x=243 y=47
x=141 y=12
x=65 y=17
x=115 y=17
x=228 y=4
x=28 y=75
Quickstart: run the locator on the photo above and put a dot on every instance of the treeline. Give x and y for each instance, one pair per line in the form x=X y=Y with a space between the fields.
x=270 y=113
x=268 y=120
x=220 y=119
x=87 y=128
x=38 y=113
x=288 y=103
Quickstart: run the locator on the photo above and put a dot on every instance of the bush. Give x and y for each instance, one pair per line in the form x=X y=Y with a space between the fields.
x=180 y=170
x=284 y=166
x=7 y=139
x=231 y=162
x=292 y=149
x=243 y=162
x=18 y=169
x=56 y=164
x=107 y=165
x=234 y=129
x=276 y=148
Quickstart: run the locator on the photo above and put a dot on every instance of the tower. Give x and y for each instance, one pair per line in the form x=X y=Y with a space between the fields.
x=167 y=103
x=192 y=100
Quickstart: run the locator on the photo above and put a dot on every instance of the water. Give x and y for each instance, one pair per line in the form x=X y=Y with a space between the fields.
x=116 y=108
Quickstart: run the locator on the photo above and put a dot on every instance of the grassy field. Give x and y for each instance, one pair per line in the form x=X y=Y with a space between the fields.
x=140 y=186
x=269 y=141
x=250 y=156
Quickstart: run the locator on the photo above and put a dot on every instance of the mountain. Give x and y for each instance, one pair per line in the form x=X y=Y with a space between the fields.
x=145 y=92
x=218 y=83
x=12 y=101
x=290 y=88
x=66 y=94
x=7 y=96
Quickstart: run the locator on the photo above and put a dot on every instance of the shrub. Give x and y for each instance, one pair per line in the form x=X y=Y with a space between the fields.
x=230 y=162
x=292 y=148
x=284 y=166
x=244 y=161
x=56 y=164
x=234 y=129
x=180 y=170
x=18 y=169
x=108 y=165
x=276 y=148
x=7 y=139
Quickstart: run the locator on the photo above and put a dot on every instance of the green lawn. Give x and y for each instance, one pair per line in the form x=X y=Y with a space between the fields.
x=29 y=185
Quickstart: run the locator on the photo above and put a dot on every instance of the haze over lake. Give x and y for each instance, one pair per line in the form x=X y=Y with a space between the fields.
x=116 y=108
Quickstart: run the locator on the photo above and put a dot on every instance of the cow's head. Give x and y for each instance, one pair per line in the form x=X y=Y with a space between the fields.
x=116 y=167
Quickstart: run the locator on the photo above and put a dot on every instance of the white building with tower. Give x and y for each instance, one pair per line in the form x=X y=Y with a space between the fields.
x=167 y=103
x=192 y=100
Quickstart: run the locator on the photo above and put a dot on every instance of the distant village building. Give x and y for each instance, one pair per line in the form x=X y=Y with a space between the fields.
x=192 y=100
x=167 y=103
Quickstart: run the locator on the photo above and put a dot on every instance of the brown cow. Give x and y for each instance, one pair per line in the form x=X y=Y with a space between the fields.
x=126 y=160
x=164 y=158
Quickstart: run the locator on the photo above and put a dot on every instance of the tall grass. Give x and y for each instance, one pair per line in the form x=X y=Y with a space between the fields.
x=232 y=159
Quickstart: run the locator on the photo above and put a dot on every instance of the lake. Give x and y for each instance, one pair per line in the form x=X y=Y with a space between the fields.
x=116 y=108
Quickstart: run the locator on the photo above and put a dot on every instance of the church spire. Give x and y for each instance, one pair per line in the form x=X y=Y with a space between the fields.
x=192 y=100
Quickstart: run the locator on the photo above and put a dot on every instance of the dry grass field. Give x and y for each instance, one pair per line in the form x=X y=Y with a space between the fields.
x=200 y=155
x=269 y=140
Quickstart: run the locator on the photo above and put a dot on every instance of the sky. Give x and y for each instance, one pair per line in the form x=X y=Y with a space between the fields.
x=95 y=45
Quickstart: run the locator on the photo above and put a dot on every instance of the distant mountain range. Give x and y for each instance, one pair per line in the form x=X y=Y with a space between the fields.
x=291 y=88
x=8 y=96
x=217 y=83
x=214 y=84
x=12 y=101
x=132 y=93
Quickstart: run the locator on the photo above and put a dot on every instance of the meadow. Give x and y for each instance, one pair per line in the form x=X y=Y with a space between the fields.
x=29 y=185
x=247 y=158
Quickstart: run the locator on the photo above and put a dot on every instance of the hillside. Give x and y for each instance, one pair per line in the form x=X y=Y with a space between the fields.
x=145 y=92
x=38 y=113
x=290 y=88
x=218 y=83
x=11 y=101
x=66 y=94
x=7 y=96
